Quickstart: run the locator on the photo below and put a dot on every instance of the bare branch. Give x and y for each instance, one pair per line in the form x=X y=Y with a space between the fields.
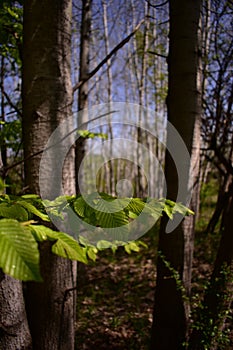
x=10 y=102
x=4 y=170
x=159 y=5
x=157 y=54
x=105 y=60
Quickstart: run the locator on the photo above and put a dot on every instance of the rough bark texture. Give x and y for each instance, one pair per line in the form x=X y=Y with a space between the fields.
x=47 y=100
x=184 y=108
x=51 y=305
x=47 y=91
x=14 y=331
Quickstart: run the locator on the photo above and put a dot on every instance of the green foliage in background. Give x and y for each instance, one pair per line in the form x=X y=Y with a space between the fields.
x=86 y=134
x=11 y=31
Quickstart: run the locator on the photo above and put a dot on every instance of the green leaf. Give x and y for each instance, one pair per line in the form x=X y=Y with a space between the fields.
x=91 y=135
x=114 y=223
x=56 y=207
x=104 y=244
x=180 y=208
x=30 y=196
x=143 y=244
x=127 y=248
x=19 y=254
x=132 y=215
x=65 y=246
x=39 y=232
x=132 y=246
x=2 y=186
x=91 y=253
x=33 y=210
x=13 y=211
x=171 y=208
x=109 y=215
x=80 y=206
x=136 y=206
x=84 y=241
x=168 y=209
x=114 y=248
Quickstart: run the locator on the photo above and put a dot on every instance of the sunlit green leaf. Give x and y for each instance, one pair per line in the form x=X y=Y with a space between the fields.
x=19 y=255
x=64 y=246
x=91 y=253
x=32 y=209
x=104 y=244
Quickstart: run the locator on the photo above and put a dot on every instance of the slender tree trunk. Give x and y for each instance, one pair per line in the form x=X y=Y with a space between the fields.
x=184 y=109
x=219 y=295
x=109 y=168
x=141 y=137
x=80 y=148
x=3 y=143
x=223 y=198
x=47 y=101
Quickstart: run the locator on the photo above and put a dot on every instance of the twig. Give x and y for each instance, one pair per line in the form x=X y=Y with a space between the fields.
x=105 y=60
x=11 y=166
x=10 y=102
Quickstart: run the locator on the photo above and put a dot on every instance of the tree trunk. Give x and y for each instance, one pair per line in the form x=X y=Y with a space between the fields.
x=184 y=111
x=223 y=198
x=3 y=142
x=80 y=148
x=14 y=331
x=47 y=101
x=219 y=295
x=109 y=165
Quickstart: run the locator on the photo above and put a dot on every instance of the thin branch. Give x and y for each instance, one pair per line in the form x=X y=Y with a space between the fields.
x=10 y=102
x=159 y=5
x=4 y=170
x=157 y=54
x=105 y=60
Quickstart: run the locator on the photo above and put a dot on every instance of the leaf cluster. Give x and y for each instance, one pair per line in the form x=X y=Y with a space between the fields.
x=25 y=221
x=11 y=30
x=11 y=134
x=86 y=134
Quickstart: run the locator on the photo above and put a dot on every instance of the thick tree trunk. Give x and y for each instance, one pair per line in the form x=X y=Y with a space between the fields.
x=14 y=331
x=51 y=305
x=184 y=111
x=47 y=101
x=47 y=90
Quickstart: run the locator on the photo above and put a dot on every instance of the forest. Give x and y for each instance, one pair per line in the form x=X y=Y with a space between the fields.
x=116 y=174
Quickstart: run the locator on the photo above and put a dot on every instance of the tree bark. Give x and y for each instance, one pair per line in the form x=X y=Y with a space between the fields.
x=223 y=198
x=80 y=148
x=109 y=165
x=14 y=331
x=219 y=295
x=184 y=111
x=47 y=101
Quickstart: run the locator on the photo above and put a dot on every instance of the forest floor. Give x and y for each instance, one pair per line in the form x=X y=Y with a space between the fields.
x=116 y=293
x=116 y=296
x=115 y=301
